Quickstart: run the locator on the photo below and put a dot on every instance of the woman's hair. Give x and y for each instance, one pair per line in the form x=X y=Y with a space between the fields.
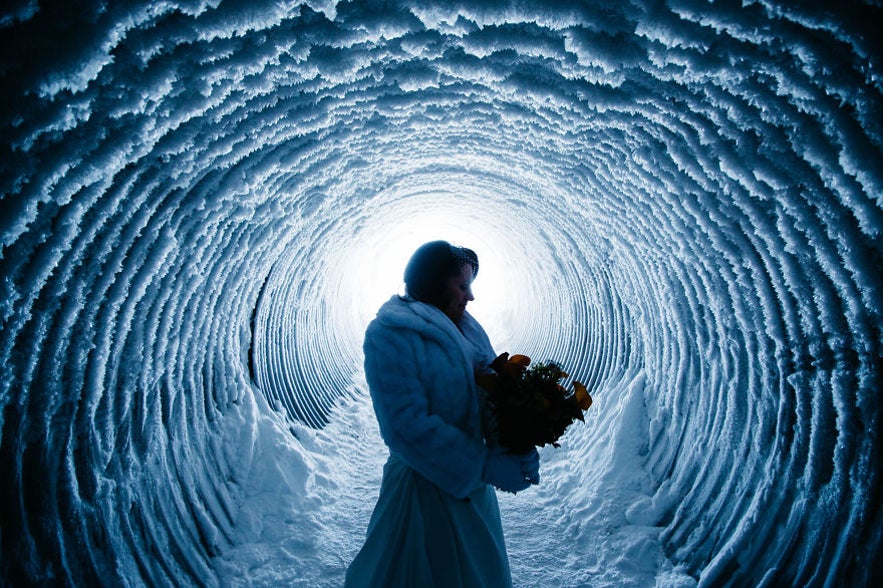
x=431 y=266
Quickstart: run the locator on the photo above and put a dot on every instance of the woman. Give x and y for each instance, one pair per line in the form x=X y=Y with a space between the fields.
x=436 y=522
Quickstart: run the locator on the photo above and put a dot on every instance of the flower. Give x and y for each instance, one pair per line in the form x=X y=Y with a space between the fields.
x=528 y=404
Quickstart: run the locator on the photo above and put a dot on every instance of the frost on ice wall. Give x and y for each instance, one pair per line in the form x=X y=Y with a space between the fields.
x=203 y=202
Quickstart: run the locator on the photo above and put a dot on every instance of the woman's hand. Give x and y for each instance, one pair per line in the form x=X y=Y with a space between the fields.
x=530 y=465
x=511 y=472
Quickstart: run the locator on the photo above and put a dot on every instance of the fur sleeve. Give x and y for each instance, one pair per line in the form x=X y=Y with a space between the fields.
x=438 y=450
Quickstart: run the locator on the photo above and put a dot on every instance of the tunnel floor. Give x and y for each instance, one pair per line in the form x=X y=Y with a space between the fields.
x=576 y=528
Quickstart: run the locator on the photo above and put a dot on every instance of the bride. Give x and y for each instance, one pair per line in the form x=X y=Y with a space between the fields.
x=436 y=522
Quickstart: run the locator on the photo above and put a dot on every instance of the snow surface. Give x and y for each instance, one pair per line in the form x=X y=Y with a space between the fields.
x=203 y=202
x=573 y=530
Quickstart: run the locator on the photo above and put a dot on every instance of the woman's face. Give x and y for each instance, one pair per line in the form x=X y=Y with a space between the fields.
x=458 y=291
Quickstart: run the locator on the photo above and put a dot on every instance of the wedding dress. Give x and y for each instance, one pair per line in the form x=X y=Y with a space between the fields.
x=436 y=523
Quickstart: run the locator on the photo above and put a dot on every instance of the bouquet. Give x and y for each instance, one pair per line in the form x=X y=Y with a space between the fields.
x=529 y=405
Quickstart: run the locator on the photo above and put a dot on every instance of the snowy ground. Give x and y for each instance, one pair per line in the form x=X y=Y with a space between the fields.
x=302 y=527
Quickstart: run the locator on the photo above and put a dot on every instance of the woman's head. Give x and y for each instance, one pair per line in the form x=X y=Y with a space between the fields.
x=441 y=274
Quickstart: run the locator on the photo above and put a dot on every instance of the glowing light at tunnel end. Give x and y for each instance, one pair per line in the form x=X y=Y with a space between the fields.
x=374 y=263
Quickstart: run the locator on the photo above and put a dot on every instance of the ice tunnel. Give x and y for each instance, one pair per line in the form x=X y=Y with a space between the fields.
x=204 y=201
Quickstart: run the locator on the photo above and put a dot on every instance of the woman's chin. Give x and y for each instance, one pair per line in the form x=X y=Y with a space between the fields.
x=456 y=315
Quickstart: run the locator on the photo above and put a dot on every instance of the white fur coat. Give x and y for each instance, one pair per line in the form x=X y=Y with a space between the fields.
x=421 y=372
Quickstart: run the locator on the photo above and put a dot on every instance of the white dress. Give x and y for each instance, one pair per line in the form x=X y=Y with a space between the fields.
x=436 y=523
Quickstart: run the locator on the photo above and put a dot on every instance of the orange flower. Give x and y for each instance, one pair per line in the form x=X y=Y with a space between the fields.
x=520 y=360
x=510 y=367
x=583 y=399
